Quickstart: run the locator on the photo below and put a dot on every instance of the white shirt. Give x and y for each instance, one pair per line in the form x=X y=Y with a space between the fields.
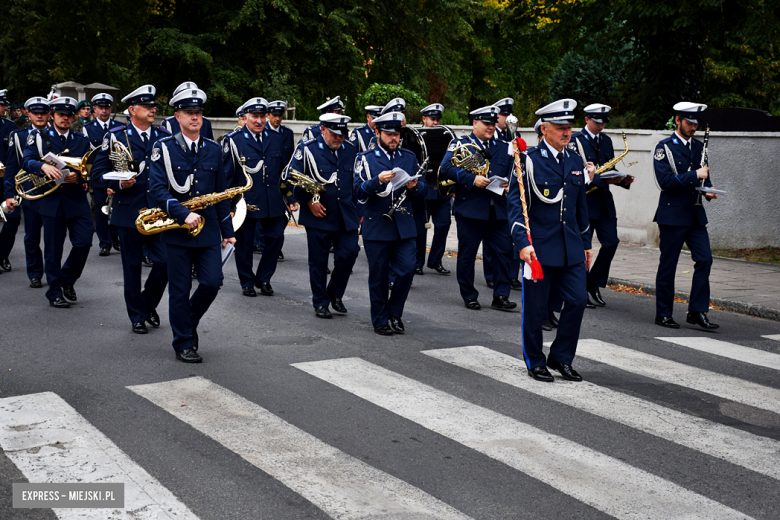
x=254 y=135
x=271 y=127
x=188 y=142
x=589 y=132
x=141 y=133
x=65 y=135
x=681 y=138
x=552 y=150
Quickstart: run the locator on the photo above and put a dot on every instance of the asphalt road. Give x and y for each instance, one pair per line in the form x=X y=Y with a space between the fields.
x=536 y=463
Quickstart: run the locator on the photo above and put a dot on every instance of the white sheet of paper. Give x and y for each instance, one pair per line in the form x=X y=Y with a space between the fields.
x=118 y=176
x=496 y=185
x=55 y=161
x=227 y=252
x=706 y=189
x=402 y=178
x=612 y=174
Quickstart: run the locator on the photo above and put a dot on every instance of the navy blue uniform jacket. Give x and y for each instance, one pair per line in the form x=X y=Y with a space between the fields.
x=676 y=205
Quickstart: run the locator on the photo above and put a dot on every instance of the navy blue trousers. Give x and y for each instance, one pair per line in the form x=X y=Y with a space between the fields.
x=514 y=264
x=80 y=230
x=672 y=240
x=570 y=284
x=346 y=250
x=105 y=232
x=273 y=238
x=441 y=218
x=137 y=300
x=185 y=311
x=33 y=225
x=8 y=232
x=420 y=219
x=606 y=230
x=496 y=239
x=380 y=254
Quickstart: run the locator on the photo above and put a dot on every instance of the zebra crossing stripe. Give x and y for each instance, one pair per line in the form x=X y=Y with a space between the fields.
x=342 y=486
x=725 y=349
x=753 y=452
x=772 y=336
x=599 y=480
x=49 y=441
x=654 y=367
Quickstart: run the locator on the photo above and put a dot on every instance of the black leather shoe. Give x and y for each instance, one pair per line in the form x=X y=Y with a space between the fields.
x=194 y=273
x=567 y=372
x=147 y=262
x=116 y=245
x=595 y=295
x=700 y=319
x=5 y=265
x=69 y=292
x=249 y=291
x=281 y=256
x=105 y=251
x=256 y=250
x=516 y=284
x=338 y=306
x=152 y=318
x=418 y=270
x=541 y=374
x=472 y=304
x=195 y=341
x=502 y=303
x=590 y=304
x=322 y=312
x=384 y=330
x=35 y=283
x=439 y=269
x=546 y=326
x=59 y=303
x=490 y=284
x=265 y=288
x=188 y=355
x=667 y=321
x=140 y=328
x=396 y=325
x=553 y=319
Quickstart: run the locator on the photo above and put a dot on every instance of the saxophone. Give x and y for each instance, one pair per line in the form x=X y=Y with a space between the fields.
x=155 y=220
x=610 y=164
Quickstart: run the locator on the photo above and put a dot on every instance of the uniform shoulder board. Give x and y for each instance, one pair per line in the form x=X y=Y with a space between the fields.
x=212 y=142
x=163 y=130
x=364 y=152
x=667 y=140
x=350 y=143
x=166 y=138
x=117 y=128
x=573 y=146
x=307 y=142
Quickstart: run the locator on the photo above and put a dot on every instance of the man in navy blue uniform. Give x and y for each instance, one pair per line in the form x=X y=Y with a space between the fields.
x=361 y=136
x=131 y=196
x=329 y=217
x=186 y=166
x=38 y=113
x=678 y=170
x=437 y=206
x=95 y=131
x=6 y=125
x=554 y=182
x=504 y=110
x=480 y=214
x=171 y=124
x=66 y=210
x=596 y=147
x=261 y=149
x=388 y=240
x=331 y=106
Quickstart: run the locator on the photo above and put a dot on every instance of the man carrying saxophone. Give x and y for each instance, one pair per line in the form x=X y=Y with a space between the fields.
x=129 y=148
x=187 y=166
x=66 y=209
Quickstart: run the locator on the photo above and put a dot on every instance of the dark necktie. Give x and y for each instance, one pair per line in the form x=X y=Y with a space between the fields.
x=688 y=145
x=560 y=162
x=63 y=140
x=194 y=148
x=257 y=138
x=145 y=139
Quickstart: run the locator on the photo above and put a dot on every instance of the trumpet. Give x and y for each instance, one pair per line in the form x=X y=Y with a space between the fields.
x=469 y=157
x=81 y=165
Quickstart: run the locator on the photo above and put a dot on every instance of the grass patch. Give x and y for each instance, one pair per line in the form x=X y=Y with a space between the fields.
x=767 y=254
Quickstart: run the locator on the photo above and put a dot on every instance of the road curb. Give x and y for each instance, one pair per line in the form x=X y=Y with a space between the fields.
x=750 y=309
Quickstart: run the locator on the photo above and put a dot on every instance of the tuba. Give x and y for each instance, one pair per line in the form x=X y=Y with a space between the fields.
x=41 y=183
x=155 y=220
x=609 y=164
x=469 y=157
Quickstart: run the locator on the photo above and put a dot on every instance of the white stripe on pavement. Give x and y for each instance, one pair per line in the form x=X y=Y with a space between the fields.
x=603 y=482
x=729 y=350
x=655 y=367
x=772 y=336
x=49 y=441
x=342 y=486
x=738 y=447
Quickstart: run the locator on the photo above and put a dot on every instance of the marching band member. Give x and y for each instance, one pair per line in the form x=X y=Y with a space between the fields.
x=361 y=136
x=38 y=113
x=331 y=106
x=481 y=214
x=329 y=161
x=390 y=241
x=66 y=210
x=184 y=166
x=131 y=196
x=437 y=206
x=557 y=214
x=680 y=220
x=107 y=235
x=171 y=124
